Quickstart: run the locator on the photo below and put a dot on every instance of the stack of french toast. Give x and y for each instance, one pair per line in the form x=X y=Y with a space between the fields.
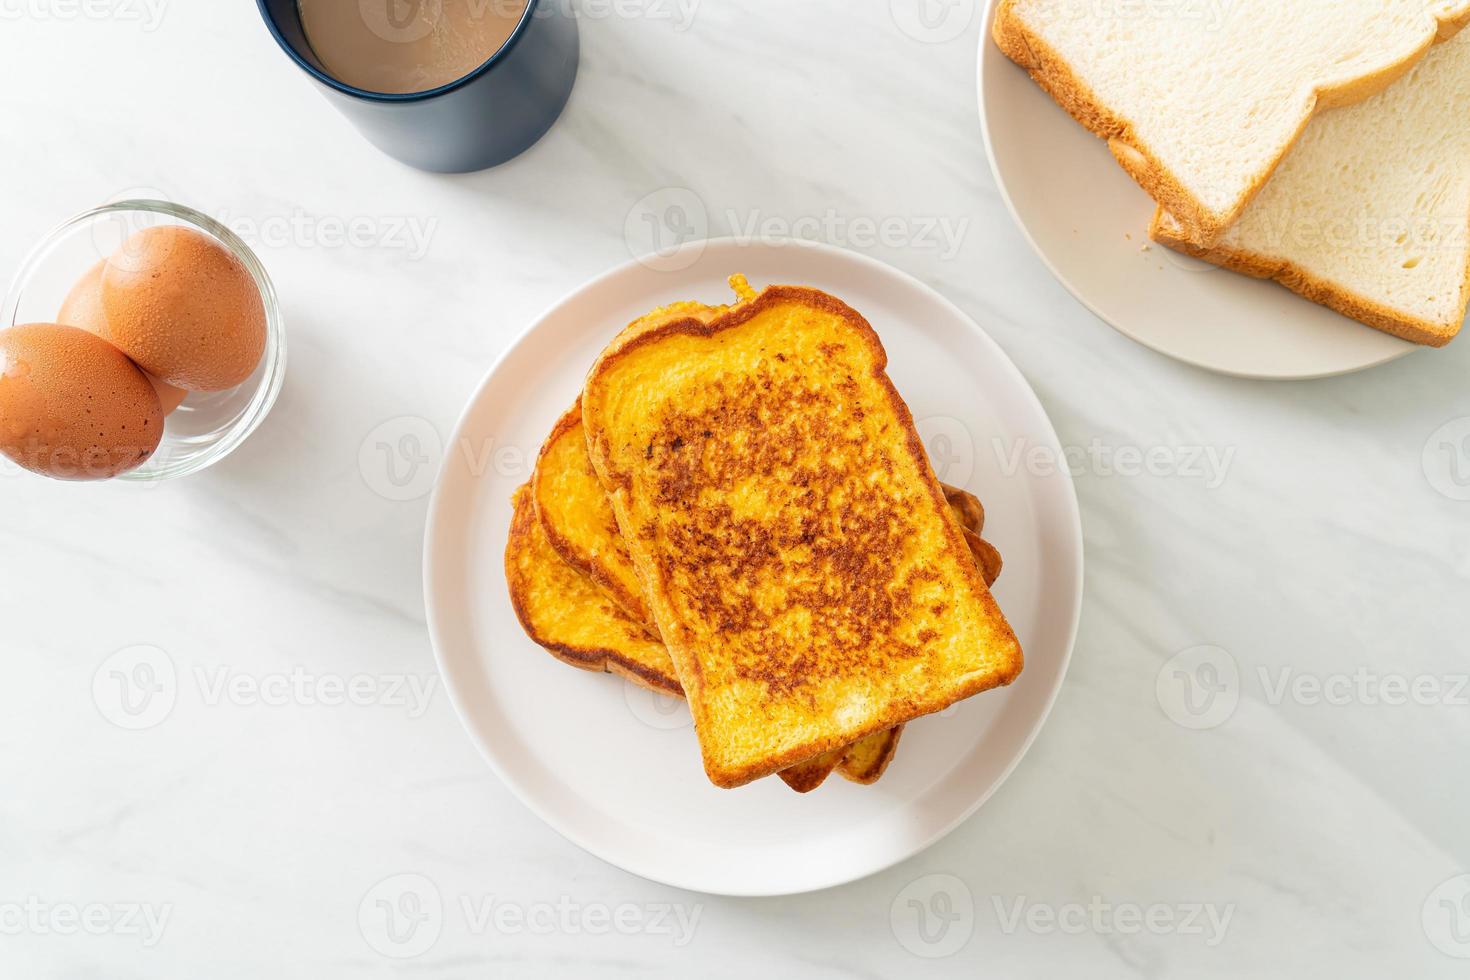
x=738 y=511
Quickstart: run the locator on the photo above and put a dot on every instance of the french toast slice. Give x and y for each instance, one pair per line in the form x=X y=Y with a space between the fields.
x=808 y=775
x=570 y=499
x=578 y=520
x=579 y=523
x=569 y=616
x=573 y=619
x=967 y=508
x=866 y=761
x=563 y=612
x=792 y=541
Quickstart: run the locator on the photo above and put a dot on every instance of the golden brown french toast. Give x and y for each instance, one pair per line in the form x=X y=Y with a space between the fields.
x=565 y=613
x=967 y=507
x=792 y=542
x=579 y=522
x=866 y=761
x=562 y=611
x=807 y=776
x=569 y=497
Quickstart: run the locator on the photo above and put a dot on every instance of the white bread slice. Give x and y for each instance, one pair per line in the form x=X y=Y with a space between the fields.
x=1200 y=99
x=1370 y=213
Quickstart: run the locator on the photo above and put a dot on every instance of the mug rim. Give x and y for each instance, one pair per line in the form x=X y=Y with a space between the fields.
x=367 y=95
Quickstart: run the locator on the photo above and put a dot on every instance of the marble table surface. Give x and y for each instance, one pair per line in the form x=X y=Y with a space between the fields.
x=1258 y=765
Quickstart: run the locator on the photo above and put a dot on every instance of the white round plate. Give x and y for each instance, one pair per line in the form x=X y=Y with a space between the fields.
x=616 y=769
x=1089 y=221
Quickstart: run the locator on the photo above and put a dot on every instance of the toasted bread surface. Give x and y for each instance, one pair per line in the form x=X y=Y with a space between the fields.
x=967 y=508
x=792 y=542
x=808 y=775
x=1200 y=113
x=986 y=556
x=866 y=761
x=578 y=519
x=569 y=616
x=570 y=499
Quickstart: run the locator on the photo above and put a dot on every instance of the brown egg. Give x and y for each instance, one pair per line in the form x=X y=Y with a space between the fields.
x=72 y=406
x=184 y=308
x=83 y=308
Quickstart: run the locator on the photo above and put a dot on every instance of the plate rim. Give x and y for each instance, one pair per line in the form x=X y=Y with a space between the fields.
x=985 y=55
x=856 y=872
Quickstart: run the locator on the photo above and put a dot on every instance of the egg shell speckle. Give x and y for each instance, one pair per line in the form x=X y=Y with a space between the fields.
x=184 y=308
x=72 y=406
x=83 y=308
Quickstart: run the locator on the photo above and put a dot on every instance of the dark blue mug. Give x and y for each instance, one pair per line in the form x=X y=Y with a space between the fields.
x=483 y=119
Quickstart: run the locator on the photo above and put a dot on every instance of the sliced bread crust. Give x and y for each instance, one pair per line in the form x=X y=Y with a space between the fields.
x=1324 y=292
x=866 y=761
x=1369 y=214
x=1203 y=222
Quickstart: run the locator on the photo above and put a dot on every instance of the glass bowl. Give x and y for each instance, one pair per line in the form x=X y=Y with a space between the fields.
x=209 y=425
